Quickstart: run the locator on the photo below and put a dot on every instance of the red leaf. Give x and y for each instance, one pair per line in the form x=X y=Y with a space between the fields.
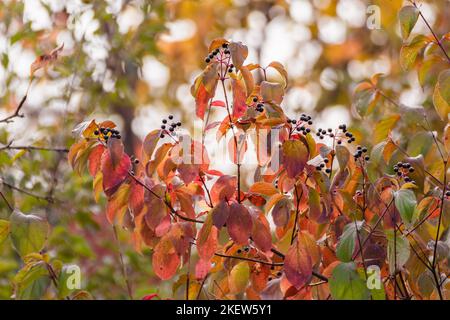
x=239 y=223
x=95 y=159
x=165 y=260
x=202 y=268
x=220 y=214
x=218 y=103
x=156 y=208
x=223 y=189
x=201 y=101
x=300 y=259
x=281 y=212
x=136 y=198
x=295 y=156
x=150 y=296
x=239 y=97
x=261 y=233
x=113 y=176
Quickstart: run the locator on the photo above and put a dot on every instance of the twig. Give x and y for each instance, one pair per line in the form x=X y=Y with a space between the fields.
x=16 y=113
x=7 y=202
x=43 y=198
x=30 y=148
x=122 y=263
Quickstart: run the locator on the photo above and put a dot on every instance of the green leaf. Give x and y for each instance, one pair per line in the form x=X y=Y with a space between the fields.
x=408 y=16
x=239 y=277
x=346 y=284
x=28 y=232
x=4 y=230
x=409 y=52
x=400 y=246
x=31 y=281
x=441 y=95
x=347 y=241
x=405 y=202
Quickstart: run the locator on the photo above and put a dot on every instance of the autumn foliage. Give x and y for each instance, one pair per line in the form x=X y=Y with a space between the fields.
x=315 y=227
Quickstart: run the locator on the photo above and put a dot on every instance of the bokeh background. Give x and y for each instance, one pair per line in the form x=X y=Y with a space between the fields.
x=133 y=62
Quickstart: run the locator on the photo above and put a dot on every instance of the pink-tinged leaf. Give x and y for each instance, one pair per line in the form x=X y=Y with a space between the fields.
x=261 y=234
x=281 y=212
x=202 y=268
x=239 y=53
x=165 y=260
x=201 y=101
x=295 y=156
x=188 y=172
x=95 y=158
x=239 y=223
x=300 y=259
x=156 y=209
x=220 y=214
x=181 y=235
x=239 y=98
x=242 y=148
x=207 y=239
x=218 y=103
x=149 y=144
x=115 y=148
x=136 y=199
x=272 y=92
x=223 y=189
x=113 y=176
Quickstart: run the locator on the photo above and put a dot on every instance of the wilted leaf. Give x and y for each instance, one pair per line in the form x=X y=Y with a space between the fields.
x=44 y=60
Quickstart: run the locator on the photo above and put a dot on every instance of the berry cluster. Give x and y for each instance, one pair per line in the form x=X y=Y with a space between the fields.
x=168 y=129
x=321 y=133
x=360 y=151
x=402 y=169
x=225 y=53
x=107 y=133
x=259 y=106
x=323 y=165
x=245 y=249
x=447 y=193
x=302 y=124
x=345 y=134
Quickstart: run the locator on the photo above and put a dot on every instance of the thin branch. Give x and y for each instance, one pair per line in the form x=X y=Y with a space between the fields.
x=31 y=148
x=122 y=263
x=43 y=198
x=7 y=202
x=16 y=113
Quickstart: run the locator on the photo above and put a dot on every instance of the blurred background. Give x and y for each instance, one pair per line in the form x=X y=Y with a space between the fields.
x=133 y=62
